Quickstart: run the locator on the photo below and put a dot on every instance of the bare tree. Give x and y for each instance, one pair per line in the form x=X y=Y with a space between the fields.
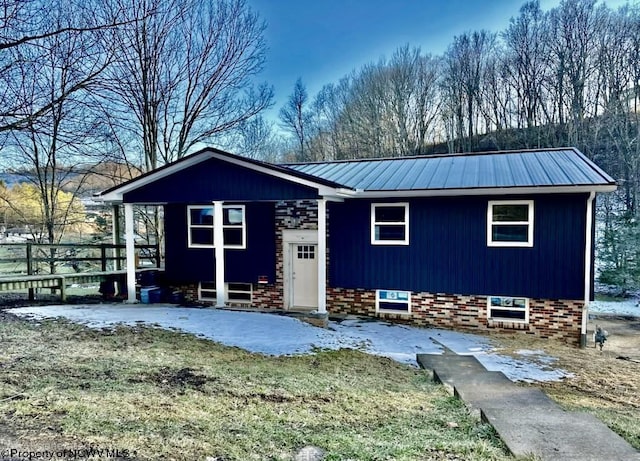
x=328 y=107
x=410 y=100
x=54 y=149
x=576 y=25
x=427 y=102
x=296 y=118
x=185 y=73
x=388 y=108
x=527 y=47
x=24 y=26
x=465 y=63
x=256 y=138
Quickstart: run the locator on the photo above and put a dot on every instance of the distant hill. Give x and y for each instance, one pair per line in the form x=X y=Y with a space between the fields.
x=101 y=177
x=11 y=179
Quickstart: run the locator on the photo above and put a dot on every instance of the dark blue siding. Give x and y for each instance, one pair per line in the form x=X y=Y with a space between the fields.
x=218 y=180
x=448 y=250
x=186 y=265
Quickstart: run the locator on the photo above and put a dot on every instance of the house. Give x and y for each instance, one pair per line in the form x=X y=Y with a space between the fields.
x=498 y=240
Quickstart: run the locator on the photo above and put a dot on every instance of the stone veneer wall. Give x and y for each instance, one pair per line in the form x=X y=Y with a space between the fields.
x=555 y=319
x=294 y=215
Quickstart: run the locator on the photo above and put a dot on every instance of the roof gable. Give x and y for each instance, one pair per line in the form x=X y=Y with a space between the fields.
x=211 y=174
x=215 y=179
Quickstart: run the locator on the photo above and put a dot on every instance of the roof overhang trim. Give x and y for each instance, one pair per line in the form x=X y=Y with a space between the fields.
x=487 y=191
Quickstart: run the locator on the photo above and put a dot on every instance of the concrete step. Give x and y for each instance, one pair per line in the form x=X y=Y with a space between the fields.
x=450 y=368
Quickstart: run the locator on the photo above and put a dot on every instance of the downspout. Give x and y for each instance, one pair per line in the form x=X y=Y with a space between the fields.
x=588 y=255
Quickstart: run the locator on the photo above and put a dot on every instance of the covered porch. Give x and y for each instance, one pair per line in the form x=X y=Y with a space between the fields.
x=229 y=221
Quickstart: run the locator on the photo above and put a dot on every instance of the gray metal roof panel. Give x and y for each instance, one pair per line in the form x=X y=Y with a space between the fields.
x=534 y=168
x=571 y=169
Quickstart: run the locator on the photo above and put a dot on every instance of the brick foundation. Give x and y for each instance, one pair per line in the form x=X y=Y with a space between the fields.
x=264 y=296
x=554 y=319
x=548 y=319
x=267 y=296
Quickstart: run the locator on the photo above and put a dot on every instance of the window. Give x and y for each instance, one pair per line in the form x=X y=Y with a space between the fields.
x=306 y=251
x=510 y=223
x=393 y=301
x=504 y=308
x=201 y=225
x=239 y=293
x=389 y=223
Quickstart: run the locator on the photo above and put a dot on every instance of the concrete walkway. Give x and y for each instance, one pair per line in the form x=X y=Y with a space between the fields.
x=528 y=422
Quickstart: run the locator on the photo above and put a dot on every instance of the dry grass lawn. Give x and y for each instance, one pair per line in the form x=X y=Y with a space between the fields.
x=154 y=394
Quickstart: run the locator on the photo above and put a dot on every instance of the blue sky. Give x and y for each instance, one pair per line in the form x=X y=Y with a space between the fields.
x=323 y=40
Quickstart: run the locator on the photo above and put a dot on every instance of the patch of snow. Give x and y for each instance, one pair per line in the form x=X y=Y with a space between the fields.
x=273 y=334
x=522 y=369
x=538 y=355
x=629 y=307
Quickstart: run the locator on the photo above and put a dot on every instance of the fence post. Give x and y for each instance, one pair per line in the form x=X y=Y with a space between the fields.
x=158 y=255
x=103 y=256
x=32 y=296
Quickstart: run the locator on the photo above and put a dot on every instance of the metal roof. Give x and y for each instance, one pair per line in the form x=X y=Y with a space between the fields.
x=512 y=169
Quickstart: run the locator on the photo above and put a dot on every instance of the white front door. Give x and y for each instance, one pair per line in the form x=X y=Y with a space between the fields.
x=304 y=275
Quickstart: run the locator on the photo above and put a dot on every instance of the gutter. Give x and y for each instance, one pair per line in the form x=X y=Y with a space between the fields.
x=588 y=255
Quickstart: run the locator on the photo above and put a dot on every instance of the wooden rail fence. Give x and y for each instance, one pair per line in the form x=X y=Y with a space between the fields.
x=39 y=264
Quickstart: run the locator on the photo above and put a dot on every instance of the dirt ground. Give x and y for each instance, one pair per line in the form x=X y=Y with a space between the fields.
x=624 y=335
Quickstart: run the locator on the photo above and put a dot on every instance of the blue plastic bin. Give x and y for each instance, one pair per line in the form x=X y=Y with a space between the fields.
x=150 y=295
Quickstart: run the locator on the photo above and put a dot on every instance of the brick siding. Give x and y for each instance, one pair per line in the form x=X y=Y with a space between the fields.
x=554 y=319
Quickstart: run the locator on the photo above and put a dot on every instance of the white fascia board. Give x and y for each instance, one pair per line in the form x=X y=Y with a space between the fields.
x=486 y=191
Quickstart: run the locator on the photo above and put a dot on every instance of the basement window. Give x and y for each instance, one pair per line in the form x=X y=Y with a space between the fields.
x=510 y=223
x=393 y=302
x=201 y=226
x=504 y=308
x=237 y=293
x=389 y=223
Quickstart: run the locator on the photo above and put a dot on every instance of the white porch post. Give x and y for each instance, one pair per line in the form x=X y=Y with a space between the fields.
x=131 y=252
x=218 y=241
x=115 y=224
x=322 y=256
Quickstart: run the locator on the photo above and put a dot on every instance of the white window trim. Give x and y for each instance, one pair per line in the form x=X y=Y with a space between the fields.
x=491 y=222
x=405 y=241
x=207 y=226
x=491 y=309
x=388 y=311
x=230 y=293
